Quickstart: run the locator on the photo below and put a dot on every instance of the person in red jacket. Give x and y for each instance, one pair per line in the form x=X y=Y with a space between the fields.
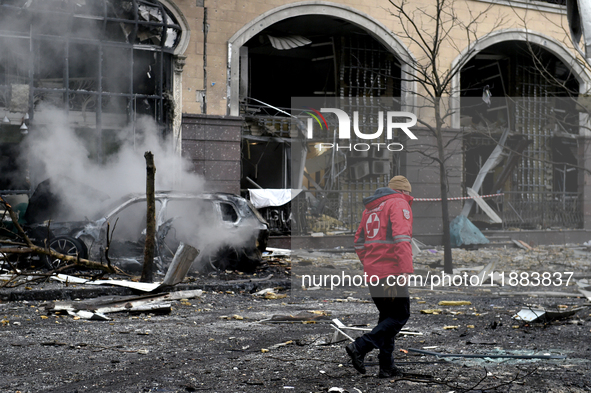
x=383 y=244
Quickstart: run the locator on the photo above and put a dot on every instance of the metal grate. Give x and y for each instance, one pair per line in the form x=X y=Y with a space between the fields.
x=541 y=210
x=531 y=116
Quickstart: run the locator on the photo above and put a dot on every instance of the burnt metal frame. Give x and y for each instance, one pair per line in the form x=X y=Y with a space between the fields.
x=100 y=42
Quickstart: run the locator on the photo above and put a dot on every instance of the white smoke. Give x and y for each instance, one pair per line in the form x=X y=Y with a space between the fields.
x=65 y=155
x=60 y=153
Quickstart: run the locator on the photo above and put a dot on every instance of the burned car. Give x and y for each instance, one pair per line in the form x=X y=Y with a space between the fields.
x=229 y=232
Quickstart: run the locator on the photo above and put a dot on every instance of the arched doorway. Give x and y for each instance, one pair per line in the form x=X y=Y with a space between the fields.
x=322 y=14
x=522 y=94
x=314 y=50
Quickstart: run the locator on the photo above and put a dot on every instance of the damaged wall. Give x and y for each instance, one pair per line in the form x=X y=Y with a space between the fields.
x=212 y=144
x=211 y=78
x=98 y=65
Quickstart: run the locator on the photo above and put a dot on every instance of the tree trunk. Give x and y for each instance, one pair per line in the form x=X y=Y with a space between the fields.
x=147 y=270
x=447 y=257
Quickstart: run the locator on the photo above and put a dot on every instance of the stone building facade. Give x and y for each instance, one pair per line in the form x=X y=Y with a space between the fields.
x=235 y=65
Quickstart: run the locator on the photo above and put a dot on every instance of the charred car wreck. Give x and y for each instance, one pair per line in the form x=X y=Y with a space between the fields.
x=229 y=232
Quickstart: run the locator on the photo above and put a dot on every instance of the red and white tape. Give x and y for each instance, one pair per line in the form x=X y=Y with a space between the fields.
x=453 y=199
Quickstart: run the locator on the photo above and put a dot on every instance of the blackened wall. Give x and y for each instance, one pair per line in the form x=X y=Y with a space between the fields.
x=212 y=144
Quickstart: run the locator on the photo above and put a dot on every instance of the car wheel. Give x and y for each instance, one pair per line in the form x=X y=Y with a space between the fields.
x=66 y=245
x=225 y=258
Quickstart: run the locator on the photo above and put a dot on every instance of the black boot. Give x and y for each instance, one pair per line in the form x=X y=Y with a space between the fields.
x=390 y=372
x=387 y=368
x=356 y=357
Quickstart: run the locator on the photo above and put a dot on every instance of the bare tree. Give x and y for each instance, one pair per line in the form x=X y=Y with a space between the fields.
x=147 y=270
x=434 y=30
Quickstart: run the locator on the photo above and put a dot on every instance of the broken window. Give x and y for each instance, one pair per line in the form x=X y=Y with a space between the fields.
x=229 y=213
x=102 y=62
x=524 y=91
x=323 y=58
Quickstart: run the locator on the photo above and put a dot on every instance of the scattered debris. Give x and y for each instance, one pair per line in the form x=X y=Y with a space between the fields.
x=303 y=317
x=542 y=315
x=110 y=304
x=96 y=316
x=541 y=293
x=246 y=280
x=263 y=292
x=277 y=252
x=281 y=344
x=455 y=303
x=183 y=258
x=434 y=311
x=492 y=356
x=478 y=341
x=270 y=293
x=338 y=332
x=340 y=326
x=486 y=271
x=522 y=244
x=181 y=262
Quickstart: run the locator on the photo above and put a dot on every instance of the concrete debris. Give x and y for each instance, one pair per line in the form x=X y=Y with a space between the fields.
x=487 y=271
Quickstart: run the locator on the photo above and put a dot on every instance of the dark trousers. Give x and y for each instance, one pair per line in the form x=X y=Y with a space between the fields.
x=393 y=305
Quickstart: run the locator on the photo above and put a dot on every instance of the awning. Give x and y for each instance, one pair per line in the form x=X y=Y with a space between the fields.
x=271 y=196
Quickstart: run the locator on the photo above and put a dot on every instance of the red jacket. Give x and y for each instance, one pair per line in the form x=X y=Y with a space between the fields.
x=382 y=240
